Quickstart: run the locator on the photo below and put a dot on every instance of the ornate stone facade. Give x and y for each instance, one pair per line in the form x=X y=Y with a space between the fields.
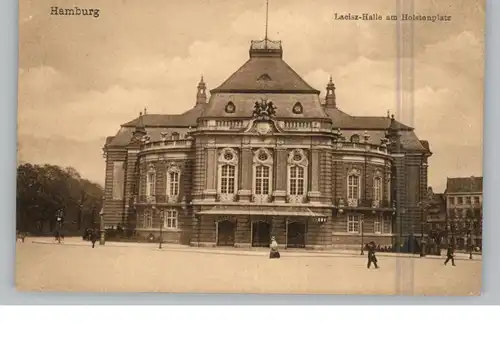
x=264 y=157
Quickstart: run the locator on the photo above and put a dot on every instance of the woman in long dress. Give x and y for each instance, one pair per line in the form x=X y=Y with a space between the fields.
x=274 y=253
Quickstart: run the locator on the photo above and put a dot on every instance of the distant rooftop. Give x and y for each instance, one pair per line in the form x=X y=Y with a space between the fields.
x=464 y=184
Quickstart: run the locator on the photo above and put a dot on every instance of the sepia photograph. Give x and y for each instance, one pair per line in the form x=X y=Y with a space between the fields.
x=251 y=147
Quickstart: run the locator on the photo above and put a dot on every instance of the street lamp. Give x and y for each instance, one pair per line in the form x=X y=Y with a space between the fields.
x=362 y=237
x=424 y=206
x=59 y=219
x=162 y=222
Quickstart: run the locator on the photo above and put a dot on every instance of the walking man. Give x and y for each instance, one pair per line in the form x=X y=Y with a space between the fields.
x=450 y=255
x=94 y=236
x=371 y=255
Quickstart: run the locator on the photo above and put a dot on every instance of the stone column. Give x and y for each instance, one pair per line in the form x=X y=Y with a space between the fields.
x=313 y=194
x=210 y=191
x=280 y=188
x=245 y=192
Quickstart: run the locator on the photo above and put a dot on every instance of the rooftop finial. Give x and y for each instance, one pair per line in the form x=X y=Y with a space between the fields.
x=145 y=111
x=388 y=113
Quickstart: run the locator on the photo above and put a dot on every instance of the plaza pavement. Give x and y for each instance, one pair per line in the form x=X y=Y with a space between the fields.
x=241 y=251
x=73 y=266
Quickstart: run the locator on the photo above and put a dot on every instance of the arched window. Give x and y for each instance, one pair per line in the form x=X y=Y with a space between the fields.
x=262 y=173
x=377 y=188
x=228 y=178
x=355 y=138
x=297 y=175
x=175 y=136
x=227 y=174
x=353 y=185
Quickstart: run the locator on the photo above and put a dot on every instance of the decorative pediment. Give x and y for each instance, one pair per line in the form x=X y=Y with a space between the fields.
x=151 y=167
x=297 y=156
x=228 y=156
x=264 y=77
x=263 y=156
x=354 y=171
x=173 y=167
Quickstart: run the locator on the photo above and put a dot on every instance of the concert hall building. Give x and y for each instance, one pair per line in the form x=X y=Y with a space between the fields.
x=266 y=156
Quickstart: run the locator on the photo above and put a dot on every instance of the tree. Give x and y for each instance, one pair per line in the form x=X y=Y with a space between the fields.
x=44 y=189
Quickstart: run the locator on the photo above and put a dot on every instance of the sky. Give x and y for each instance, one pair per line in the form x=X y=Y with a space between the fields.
x=80 y=77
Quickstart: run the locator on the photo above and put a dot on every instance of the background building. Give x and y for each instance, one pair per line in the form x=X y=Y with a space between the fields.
x=464 y=200
x=265 y=156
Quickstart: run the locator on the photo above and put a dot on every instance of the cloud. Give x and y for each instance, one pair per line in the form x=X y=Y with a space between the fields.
x=81 y=79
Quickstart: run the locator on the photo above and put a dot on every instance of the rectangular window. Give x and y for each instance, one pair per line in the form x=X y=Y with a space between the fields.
x=387 y=226
x=173 y=179
x=118 y=178
x=377 y=189
x=148 y=220
x=476 y=200
x=353 y=223
x=150 y=184
x=460 y=200
x=451 y=200
x=388 y=188
x=262 y=180
x=377 y=225
x=468 y=200
x=297 y=181
x=353 y=187
x=228 y=179
x=171 y=219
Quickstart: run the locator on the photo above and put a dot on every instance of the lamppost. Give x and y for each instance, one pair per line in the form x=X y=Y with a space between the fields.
x=362 y=237
x=162 y=222
x=59 y=220
x=472 y=222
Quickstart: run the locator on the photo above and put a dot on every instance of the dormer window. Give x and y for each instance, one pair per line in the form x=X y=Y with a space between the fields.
x=297 y=108
x=355 y=138
x=264 y=77
x=175 y=136
x=230 y=108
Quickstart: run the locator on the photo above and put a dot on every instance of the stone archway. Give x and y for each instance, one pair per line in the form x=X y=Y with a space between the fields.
x=261 y=234
x=225 y=233
x=296 y=235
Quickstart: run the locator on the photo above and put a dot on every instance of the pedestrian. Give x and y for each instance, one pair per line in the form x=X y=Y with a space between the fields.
x=371 y=255
x=93 y=237
x=450 y=255
x=274 y=253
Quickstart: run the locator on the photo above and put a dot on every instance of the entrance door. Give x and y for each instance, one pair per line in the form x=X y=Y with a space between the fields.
x=296 y=235
x=225 y=233
x=261 y=234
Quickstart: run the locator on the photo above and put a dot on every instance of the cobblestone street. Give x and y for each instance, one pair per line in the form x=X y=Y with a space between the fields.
x=144 y=268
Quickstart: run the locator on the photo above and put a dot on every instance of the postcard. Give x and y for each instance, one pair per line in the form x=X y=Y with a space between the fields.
x=270 y=146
